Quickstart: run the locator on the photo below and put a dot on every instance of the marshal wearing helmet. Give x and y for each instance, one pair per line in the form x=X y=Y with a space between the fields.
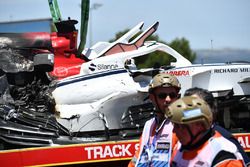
x=192 y=119
x=163 y=90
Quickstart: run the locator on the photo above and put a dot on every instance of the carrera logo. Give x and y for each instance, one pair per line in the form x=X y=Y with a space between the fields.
x=94 y=67
x=179 y=73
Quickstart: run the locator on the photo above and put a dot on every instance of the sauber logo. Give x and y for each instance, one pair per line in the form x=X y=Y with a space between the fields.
x=94 y=67
x=178 y=72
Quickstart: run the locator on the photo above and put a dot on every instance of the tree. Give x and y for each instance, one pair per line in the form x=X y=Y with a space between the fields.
x=160 y=58
x=182 y=46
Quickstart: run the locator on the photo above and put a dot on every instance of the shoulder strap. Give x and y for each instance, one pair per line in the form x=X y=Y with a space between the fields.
x=221 y=156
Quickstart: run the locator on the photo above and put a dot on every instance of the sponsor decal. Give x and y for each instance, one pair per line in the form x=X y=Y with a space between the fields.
x=94 y=67
x=64 y=71
x=60 y=71
x=107 y=67
x=179 y=72
x=231 y=70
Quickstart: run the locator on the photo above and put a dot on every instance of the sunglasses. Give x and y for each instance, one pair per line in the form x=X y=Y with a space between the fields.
x=164 y=95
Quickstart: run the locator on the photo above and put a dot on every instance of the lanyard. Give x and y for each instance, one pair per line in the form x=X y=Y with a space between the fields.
x=150 y=148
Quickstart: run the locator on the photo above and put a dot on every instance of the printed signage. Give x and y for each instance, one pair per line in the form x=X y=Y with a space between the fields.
x=179 y=73
x=110 y=151
x=231 y=70
x=70 y=154
x=94 y=67
x=83 y=153
x=244 y=140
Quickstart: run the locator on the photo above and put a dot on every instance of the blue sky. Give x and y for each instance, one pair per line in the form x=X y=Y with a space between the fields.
x=225 y=22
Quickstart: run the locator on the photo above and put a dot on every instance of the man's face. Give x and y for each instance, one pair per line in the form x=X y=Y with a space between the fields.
x=163 y=96
x=183 y=134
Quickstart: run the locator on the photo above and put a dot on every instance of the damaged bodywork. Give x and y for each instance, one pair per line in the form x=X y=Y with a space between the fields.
x=108 y=99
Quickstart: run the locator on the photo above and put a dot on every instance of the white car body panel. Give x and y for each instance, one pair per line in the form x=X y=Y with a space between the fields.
x=105 y=88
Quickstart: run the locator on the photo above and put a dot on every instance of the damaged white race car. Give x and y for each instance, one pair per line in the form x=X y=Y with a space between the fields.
x=109 y=98
x=111 y=88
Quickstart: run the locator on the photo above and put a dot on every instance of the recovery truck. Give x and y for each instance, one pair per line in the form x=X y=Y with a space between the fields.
x=96 y=116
